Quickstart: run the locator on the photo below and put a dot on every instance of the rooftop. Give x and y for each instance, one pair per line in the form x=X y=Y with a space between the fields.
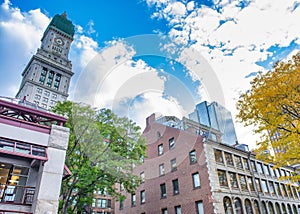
x=64 y=25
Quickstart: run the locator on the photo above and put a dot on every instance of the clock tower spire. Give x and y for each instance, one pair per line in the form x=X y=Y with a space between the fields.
x=46 y=78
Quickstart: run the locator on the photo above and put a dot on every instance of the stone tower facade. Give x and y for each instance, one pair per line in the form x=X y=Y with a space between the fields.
x=46 y=78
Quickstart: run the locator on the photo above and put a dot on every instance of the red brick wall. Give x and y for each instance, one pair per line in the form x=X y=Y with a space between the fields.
x=184 y=143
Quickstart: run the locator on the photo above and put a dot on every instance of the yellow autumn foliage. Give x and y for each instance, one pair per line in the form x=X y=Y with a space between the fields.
x=272 y=106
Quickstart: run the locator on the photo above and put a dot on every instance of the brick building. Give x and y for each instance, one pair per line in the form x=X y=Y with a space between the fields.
x=188 y=170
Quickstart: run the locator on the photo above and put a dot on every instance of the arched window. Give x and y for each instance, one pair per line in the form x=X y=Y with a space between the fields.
x=289 y=209
x=227 y=205
x=277 y=208
x=248 y=207
x=256 y=207
x=264 y=208
x=295 y=209
x=238 y=206
x=271 y=208
x=283 y=208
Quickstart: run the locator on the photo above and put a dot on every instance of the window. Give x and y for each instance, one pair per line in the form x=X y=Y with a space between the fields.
x=294 y=209
x=160 y=149
x=142 y=176
x=178 y=210
x=256 y=207
x=278 y=189
x=222 y=178
x=193 y=158
x=266 y=169
x=13 y=179
x=228 y=158
x=253 y=166
x=50 y=78
x=264 y=207
x=121 y=205
x=45 y=99
x=238 y=206
x=243 y=182
x=196 y=180
x=272 y=171
x=175 y=187
x=47 y=93
x=295 y=192
x=163 y=192
x=37 y=97
x=233 y=180
x=164 y=211
x=133 y=200
x=264 y=186
x=161 y=169
x=272 y=188
x=173 y=165
x=238 y=161
x=227 y=205
x=259 y=168
x=271 y=208
x=57 y=81
x=53 y=102
x=108 y=203
x=101 y=203
x=246 y=164
x=43 y=75
x=94 y=202
x=277 y=173
x=54 y=96
x=250 y=182
x=283 y=190
x=248 y=206
x=171 y=143
x=143 y=199
x=283 y=208
x=277 y=208
x=289 y=191
x=199 y=207
x=258 y=184
x=39 y=90
x=218 y=156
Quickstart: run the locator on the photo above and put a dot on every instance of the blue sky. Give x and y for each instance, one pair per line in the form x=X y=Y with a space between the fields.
x=143 y=56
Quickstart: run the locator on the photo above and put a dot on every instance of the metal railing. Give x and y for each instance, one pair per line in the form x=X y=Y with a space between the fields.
x=16 y=194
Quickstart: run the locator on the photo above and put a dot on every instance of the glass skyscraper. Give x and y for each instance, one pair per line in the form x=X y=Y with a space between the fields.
x=217 y=117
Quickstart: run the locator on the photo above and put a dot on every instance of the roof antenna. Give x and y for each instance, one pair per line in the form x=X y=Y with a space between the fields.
x=64 y=14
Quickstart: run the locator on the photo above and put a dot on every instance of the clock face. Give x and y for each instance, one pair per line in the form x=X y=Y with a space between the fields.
x=59 y=41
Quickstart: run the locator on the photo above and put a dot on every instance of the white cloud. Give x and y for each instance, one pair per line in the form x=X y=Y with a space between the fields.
x=175 y=9
x=20 y=34
x=232 y=39
x=112 y=79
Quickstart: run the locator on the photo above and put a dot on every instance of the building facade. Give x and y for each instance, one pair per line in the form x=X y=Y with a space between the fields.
x=217 y=117
x=46 y=78
x=103 y=203
x=33 y=145
x=187 y=171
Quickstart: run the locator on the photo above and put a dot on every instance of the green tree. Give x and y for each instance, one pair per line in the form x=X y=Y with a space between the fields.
x=272 y=106
x=102 y=150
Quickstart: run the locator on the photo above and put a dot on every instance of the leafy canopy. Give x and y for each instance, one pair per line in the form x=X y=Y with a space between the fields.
x=102 y=150
x=273 y=107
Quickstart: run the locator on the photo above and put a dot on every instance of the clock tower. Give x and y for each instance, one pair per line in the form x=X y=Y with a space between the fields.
x=46 y=78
